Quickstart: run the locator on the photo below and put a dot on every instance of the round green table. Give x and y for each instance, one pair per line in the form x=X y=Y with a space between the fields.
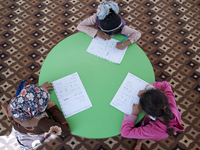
x=101 y=79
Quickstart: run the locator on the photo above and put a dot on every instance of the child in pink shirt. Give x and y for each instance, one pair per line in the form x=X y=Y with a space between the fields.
x=108 y=23
x=158 y=101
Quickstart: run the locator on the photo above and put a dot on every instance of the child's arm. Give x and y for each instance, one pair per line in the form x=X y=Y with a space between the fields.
x=134 y=35
x=152 y=131
x=86 y=26
x=165 y=87
x=57 y=126
x=128 y=130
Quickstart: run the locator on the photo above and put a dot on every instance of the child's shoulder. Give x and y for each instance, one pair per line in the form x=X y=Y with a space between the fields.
x=94 y=15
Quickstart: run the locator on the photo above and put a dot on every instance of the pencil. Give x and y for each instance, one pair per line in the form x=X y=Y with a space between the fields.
x=123 y=39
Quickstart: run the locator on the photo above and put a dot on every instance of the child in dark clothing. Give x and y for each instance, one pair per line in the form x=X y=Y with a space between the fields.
x=27 y=114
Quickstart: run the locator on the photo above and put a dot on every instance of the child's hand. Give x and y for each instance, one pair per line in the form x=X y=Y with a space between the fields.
x=47 y=86
x=123 y=45
x=135 y=110
x=50 y=104
x=102 y=35
x=140 y=93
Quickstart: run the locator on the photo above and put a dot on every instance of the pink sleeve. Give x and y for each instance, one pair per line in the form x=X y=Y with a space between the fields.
x=128 y=130
x=165 y=87
x=84 y=26
x=134 y=35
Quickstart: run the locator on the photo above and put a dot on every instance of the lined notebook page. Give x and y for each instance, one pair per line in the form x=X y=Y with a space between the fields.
x=106 y=49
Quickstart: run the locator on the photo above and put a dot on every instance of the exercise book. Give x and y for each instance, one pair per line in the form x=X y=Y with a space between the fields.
x=106 y=49
x=71 y=95
x=127 y=93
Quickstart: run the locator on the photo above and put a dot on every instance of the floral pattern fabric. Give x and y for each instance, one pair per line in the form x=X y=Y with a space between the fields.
x=55 y=130
x=31 y=101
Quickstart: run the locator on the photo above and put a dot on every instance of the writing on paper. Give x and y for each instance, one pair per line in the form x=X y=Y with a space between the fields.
x=71 y=95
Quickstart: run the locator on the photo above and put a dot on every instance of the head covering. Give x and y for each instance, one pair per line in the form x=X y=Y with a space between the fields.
x=104 y=9
x=31 y=101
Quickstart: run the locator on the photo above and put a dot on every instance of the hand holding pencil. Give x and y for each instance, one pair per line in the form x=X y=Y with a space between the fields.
x=122 y=45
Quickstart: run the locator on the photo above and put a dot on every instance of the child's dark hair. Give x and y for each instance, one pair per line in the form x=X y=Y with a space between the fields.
x=111 y=21
x=155 y=103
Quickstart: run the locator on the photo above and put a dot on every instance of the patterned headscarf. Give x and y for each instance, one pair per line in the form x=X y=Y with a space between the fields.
x=31 y=101
x=104 y=9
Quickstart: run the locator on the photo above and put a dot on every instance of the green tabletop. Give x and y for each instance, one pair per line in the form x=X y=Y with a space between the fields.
x=101 y=79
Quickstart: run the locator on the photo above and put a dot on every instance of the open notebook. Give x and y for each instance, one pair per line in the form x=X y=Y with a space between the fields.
x=106 y=49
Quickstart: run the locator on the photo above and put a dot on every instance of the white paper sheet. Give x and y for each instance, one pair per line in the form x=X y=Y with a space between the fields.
x=127 y=93
x=106 y=49
x=71 y=95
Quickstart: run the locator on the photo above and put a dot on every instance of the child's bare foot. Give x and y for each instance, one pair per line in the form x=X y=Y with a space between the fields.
x=4 y=107
x=139 y=144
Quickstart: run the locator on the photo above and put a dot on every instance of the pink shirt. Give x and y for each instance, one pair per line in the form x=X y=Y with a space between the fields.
x=155 y=130
x=85 y=26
